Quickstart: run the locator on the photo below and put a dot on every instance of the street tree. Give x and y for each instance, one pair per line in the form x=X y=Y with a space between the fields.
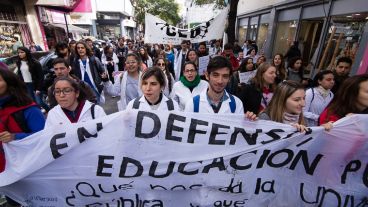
x=165 y=9
x=230 y=30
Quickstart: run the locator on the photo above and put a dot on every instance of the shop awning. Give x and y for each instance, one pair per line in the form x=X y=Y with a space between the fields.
x=71 y=28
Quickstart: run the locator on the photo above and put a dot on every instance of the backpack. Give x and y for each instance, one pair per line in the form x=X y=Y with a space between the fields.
x=170 y=104
x=232 y=103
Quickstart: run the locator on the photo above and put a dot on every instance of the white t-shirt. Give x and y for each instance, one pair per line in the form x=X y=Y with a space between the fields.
x=24 y=69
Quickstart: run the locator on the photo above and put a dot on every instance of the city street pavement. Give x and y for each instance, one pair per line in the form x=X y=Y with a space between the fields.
x=110 y=104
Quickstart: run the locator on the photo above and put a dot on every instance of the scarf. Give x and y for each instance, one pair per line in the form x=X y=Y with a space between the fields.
x=290 y=118
x=324 y=93
x=190 y=84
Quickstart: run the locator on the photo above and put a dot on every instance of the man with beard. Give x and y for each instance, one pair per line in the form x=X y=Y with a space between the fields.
x=341 y=72
x=62 y=51
x=216 y=99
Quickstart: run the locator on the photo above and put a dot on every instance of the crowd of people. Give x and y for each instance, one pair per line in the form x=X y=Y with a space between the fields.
x=167 y=78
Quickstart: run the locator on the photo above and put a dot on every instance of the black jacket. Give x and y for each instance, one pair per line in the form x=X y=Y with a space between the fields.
x=36 y=73
x=251 y=97
x=96 y=68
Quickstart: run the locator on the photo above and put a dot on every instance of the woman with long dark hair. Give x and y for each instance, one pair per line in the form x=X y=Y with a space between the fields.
x=351 y=98
x=163 y=65
x=279 y=63
x=30 y=71
x=19 y=115
x=110 y=60
x=146 y=59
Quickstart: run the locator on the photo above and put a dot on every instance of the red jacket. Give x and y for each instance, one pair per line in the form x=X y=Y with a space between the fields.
x=8 y=123
x=323 y=118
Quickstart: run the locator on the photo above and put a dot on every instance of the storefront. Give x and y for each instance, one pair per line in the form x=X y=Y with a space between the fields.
x=13 y=27
x=325 y=30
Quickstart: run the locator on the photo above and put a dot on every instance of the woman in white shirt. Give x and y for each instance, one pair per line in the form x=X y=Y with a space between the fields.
x=110 y=61
x=152 y=85
x=190 y=85
x=72 y=104
x=318 y=97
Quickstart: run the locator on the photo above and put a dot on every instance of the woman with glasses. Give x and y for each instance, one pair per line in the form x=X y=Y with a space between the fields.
x=126 y=83
x=163 y=65
x=190 y=85
x=72 y=104
x=153 y=82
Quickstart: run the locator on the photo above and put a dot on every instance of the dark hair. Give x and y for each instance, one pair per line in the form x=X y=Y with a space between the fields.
x=292 y=62
x=218 y=62
x=88 y=40
x=191 y=50
x=106 y=49
x=137 y=58
x=244 y=63
x=319 y=77
x=281 y=70
x=16 y=88
x=344 y=60
x=250 y=50
x=167 y=72
x=72 y=42
x=228 y=46
x=121 y=38
x=30 y=60
x=59 y=46
x=202 y=43
x=145 y=56
x=60 y=60
x=88 y=49
x=82 y=96
x=190 y=63
x=157 y=73
x=345 y=100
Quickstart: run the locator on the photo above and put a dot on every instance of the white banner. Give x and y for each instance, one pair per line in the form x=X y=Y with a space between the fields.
x=160 y=32
x=138 y=158
x=246 y=76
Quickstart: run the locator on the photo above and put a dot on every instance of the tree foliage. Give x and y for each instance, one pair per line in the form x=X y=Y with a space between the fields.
x=231 y=17
x=165 y=9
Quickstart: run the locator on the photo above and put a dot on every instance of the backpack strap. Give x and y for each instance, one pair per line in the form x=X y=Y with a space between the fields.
x=232 y=103
x=312 y=96
x=93 y=111
x=170 y=104
x=18 y=116
x=196 y=103
x=136 y=103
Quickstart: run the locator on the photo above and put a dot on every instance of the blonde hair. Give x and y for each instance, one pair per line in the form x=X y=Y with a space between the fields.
x=276 y=109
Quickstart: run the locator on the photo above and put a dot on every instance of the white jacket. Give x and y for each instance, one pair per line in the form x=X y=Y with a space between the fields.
x=56 y=116
x=114 y=59
x=143 y=105
x=119 y=88
x=205 y=107
x=178 y=63
x=181 y=94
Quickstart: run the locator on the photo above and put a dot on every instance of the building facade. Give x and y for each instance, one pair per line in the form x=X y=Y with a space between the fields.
x=325 y=30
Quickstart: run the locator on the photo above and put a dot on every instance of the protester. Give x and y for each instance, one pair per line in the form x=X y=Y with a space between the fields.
x=63 y=69
x=191 y=56
x=215 y=99
x=234 y=85
x=146 y=59
x=126 y=83
x=252 y=53
x=34 y=48
x=240 y=57
x=170 y=57
x=89 y=69
x=279 y=63
x=229 y=54
x=71 y=46
x=95 y=51
x=351 y=98
x=121 y=52
x=261 y=59
x=152 y=85
x=180 y=57
x=130 y=48
x=246 y=47
x=190 y=85
x=293 y=51
x=202 y=49
x=286 y=105
x=341 y=72
x=30 y=71
x=295 y=69
x=216 y=49
x=257 y=95
x=72 y=104
x=110 y=60
x=318 y=97
x=237 y=48
x=62 y=51
x=19 y=115
x=163 y=65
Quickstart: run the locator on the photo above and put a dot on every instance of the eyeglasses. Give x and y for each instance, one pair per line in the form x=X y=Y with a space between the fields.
x=65 y=91
x=160 y=64
x=130 y=62
x=190 y=71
